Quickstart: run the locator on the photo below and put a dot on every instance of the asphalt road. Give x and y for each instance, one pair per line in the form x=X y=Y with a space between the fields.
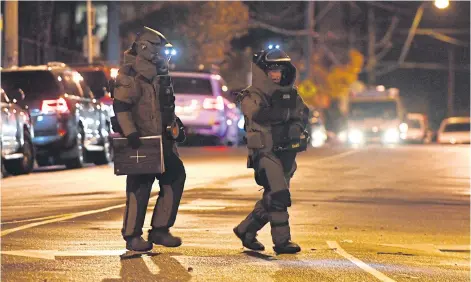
x=369 y=214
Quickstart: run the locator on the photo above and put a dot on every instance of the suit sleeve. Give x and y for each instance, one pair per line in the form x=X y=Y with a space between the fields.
x=125 y=98
x=255 y=110
x=303 y=113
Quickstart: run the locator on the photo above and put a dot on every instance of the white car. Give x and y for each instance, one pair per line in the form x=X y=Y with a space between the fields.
x=417 y=128
x=203 y=109
x=454 y=130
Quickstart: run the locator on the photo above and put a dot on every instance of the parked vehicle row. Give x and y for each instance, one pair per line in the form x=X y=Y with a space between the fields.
x=68 y=125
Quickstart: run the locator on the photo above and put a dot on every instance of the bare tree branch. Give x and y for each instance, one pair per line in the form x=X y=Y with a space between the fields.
x=287 y=32
x=391 y=66
x=324 y=12
x=446 y=38
x=390 y=8
x=388 y=35
x=384 y=52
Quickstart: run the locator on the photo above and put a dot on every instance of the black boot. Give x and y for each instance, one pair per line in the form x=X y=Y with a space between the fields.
x=287 y=248
x=138 y=244
x=249 y=243
x=164 y=237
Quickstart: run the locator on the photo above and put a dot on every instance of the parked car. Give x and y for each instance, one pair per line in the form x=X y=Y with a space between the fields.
x=17 y=133
x=201 y=104
x=70 y=125
x=417 y=129
x=97 y=77
x=454 y=130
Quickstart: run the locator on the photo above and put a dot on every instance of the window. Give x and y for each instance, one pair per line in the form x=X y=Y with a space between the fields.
x=414 y=124
x=97 y=82
x=383 y=110
x=190 y=85
x=457 y=127
x=70 y=86
x=87 y=93
x=35 y=84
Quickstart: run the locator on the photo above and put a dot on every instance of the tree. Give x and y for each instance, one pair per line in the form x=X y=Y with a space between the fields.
x=331 y=82
x=210 y=28
x=201 y=31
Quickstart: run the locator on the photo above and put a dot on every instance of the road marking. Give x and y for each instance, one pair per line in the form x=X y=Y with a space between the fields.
x=336 y=247
x=59 y=218
x=431 y=248
x=52 y=254
x=31 y=219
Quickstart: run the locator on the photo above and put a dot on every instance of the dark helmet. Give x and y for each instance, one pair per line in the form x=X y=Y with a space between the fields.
x=276 y=59
x=154 y=47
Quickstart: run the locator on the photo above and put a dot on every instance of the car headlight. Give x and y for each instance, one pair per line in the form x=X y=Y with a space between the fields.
x=318 y=134
x=391 y=135
x=403 y=127
x=355 y=136
x=318 y=138
x=343 y=136
x=241 y=123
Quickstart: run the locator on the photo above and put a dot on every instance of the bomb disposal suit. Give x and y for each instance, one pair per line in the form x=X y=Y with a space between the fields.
x=144 y=106
x=275 y=121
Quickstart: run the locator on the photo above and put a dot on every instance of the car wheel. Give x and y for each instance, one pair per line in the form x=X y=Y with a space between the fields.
x=25 y=164
x=105 y=156
x=79 y=160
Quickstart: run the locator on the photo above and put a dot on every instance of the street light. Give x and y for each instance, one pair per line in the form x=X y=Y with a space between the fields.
x=441 y=4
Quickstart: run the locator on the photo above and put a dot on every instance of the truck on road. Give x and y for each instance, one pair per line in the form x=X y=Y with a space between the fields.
x=375 y=115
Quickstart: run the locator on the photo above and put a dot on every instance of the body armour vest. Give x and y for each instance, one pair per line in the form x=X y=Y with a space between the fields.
x=167 y=100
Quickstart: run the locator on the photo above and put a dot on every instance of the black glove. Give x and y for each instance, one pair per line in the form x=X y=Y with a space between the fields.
x=133 y=140
x=115 y=125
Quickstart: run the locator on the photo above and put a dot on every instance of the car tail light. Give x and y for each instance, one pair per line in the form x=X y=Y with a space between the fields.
x=213 y=104
x=56 y=106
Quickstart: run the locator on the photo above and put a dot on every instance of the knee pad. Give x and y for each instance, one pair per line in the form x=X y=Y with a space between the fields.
x=277 y=201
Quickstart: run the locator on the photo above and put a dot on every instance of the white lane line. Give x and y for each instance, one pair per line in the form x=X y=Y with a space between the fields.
x=336 y=247
x=53 y=254
x=63 y=217
x=31 y=219
x=59 y=218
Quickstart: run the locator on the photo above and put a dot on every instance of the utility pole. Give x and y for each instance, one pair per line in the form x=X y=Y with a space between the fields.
x=11 y=33
x=89 y=32
x=371 y=65
x=309 y=23
x=113 y=40
x=451 y=81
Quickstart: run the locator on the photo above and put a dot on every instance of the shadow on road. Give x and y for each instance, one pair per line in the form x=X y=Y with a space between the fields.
x=259 y=255
x=135 y=269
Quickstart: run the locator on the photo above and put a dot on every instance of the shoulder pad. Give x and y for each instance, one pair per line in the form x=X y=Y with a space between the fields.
x=124 y=81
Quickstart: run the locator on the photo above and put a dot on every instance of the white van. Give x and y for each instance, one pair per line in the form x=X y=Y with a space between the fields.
x=417 y=128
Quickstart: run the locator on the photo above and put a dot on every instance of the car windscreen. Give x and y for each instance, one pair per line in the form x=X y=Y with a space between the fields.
x=191 y=85
x=414 y=124
x=96 y=80
x=376 y=109
x=35 y=84
x=457 y=127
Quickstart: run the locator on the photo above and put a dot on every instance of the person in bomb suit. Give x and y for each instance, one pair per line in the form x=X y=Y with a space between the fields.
x=275 y=122
x=144 y=105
